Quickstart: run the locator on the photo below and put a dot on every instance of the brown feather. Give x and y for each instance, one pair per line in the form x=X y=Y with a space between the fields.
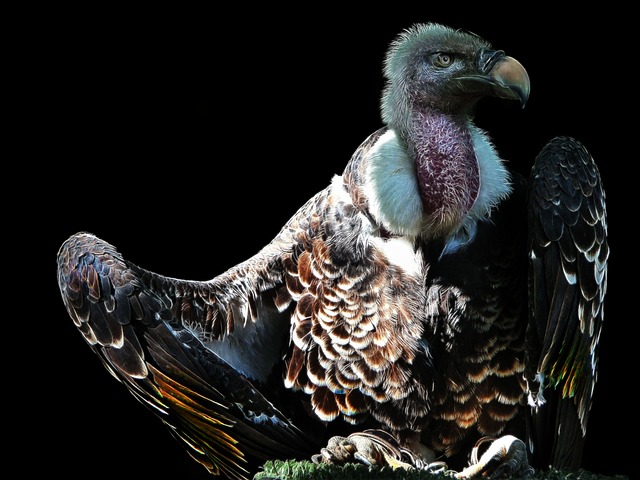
x=316 y=371
x=324 y=404
x=304 y=271
x=295 y=363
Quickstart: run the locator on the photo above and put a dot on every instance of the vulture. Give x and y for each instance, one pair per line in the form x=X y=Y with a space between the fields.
x=428 y=307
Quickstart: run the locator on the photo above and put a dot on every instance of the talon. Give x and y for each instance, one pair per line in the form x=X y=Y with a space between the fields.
x=505 y=457
x=395 y=464
x=476 y=448
x=436 y=467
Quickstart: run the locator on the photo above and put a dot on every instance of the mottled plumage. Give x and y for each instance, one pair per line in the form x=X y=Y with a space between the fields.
x=427 y=291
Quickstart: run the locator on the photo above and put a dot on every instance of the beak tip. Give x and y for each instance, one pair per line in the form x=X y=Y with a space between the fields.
x=510 y=73
x=524 y=98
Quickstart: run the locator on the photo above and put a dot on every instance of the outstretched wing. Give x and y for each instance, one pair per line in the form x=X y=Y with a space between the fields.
x=199 y=354
x=567 y=283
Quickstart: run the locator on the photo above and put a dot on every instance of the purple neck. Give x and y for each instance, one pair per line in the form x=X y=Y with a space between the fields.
x=446 y=167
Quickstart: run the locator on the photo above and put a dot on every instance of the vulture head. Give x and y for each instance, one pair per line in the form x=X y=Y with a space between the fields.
x=437 y=67
x=434 y=174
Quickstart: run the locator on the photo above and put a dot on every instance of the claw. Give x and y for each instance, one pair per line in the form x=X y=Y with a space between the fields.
x=377 y=448
x=505 y=457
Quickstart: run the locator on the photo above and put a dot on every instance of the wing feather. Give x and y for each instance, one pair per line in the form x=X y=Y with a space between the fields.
x=148 y=331
x=567 y=284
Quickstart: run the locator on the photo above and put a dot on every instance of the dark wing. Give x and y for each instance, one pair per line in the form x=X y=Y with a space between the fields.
x=168 y=341
x=567 y=285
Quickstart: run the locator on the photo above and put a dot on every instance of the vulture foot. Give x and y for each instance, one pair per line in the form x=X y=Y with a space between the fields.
x=377 y=448
x=505 y=457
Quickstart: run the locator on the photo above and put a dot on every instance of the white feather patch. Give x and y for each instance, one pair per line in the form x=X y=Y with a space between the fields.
x=399 y=251
x=338 y=192
x=391 y=187
x=495 y=183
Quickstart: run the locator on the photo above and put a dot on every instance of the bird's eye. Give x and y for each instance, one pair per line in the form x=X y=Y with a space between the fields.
x=442 y=60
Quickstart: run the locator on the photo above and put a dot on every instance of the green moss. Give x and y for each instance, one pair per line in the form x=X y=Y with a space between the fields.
x=291 y=470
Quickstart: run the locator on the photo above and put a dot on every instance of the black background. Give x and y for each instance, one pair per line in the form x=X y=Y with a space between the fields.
x=188 y=138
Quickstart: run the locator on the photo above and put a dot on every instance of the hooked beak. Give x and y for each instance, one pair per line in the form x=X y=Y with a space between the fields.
x=498 y=75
